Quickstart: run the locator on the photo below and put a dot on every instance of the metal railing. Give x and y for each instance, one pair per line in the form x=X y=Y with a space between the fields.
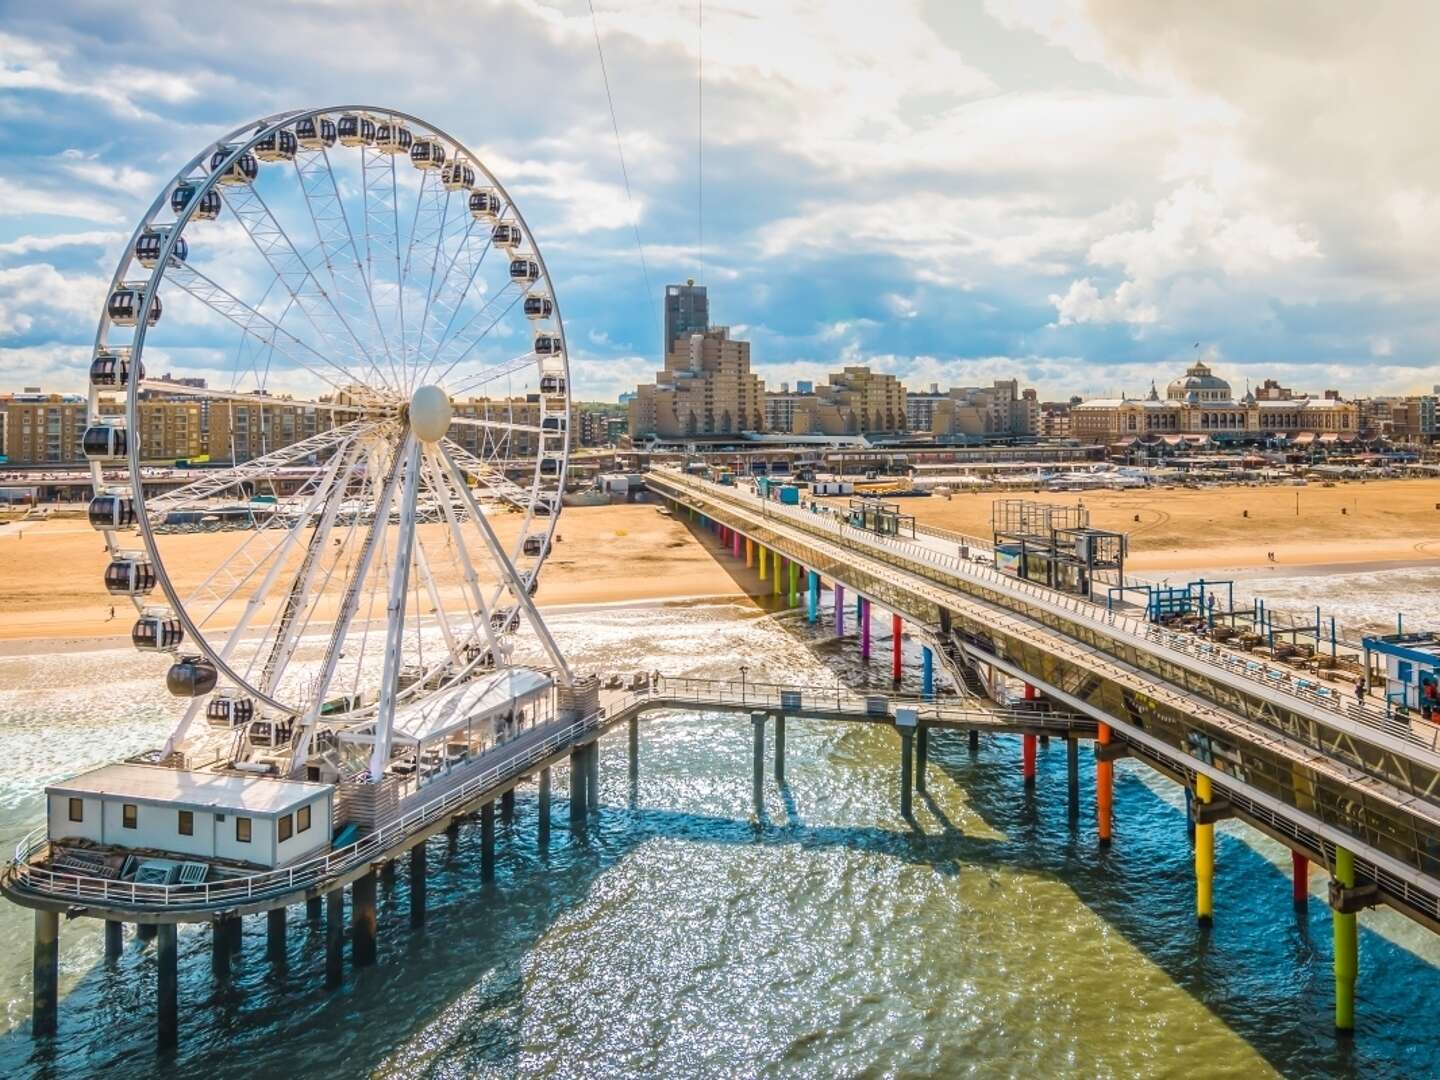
x=1266 y=677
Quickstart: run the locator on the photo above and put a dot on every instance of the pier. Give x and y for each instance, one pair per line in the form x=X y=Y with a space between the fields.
x=1343 y=784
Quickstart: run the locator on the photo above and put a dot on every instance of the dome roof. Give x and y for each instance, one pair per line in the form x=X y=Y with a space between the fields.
x=1197 y=379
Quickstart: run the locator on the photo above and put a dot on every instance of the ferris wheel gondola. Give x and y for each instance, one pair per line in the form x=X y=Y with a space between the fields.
x=403 y=486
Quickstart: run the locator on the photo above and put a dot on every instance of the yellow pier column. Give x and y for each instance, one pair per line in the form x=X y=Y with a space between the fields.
x=1347 y=959
x=1204 y=858
x=762 y=562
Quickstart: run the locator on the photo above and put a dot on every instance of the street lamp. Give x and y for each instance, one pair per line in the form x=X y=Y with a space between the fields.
x=743 y=670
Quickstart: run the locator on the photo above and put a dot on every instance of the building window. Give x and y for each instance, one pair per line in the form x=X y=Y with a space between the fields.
x=129 y=815
x=77 y=809
x=242 y=830
x=285 y=828
x=187 y=823
x=302 y=819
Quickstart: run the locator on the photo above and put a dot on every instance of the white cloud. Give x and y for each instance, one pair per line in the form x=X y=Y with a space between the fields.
x=31 y=293
x=31 y=245
x=1083 y=302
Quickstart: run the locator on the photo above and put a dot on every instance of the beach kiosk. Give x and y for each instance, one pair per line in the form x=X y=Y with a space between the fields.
x=127 y=816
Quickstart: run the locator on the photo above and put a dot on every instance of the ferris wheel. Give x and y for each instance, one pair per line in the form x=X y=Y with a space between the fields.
x=360 y=334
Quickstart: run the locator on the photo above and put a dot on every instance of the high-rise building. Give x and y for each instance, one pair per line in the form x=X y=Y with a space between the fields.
x=687 y=311
x=706 y=389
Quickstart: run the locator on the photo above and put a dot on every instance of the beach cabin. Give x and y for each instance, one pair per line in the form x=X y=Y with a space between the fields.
x=221 y=817
x=1411 y=664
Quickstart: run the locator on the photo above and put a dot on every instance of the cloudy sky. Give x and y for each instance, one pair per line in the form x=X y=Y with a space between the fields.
x=1080 y=193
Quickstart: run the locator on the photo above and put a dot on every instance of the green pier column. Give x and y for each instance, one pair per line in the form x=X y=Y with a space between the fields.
x=542 y=827
x=794 y=583
x=487 y=842
x=334 y=936
x=45 y=1005
x=167 y=986
x=417 y=884
x=362 y=920
x=1347 y=957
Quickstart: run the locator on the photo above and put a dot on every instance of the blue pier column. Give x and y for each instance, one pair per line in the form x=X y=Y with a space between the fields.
x=927 y=672
x=812 y=600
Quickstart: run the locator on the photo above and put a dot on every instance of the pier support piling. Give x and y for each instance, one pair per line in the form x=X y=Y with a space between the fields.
x=777 y=569
x=145 y=931
x=314 y=910
x=749 y=553
x=417 y=885
x=862 y=615
x=896 y=656
x=114 y=939
x=812 y=597
x=334 y=936
x=927 y=673
x=1204 y=857
x=592 y=777
x=487 y=842
x=757 y=724
x=1104 y=787
x=236 y=930
x=794 y=583
x=542 y=828
x=1299 y=879
x=45 y=1005
x=1072 y=777
x=220 y=947
x=362 y=920
x=907 y=749
x=167 y=989
x=387 y=876
x=1347 y=959
x=974 y=741
x=839 y=610
x=507 y=806
x=922 y=755
x=764 y=555
x=779 y=749
x=275 y=936
x=452 y=836
x=634 y=749
x=577 y=784
x=1027 y=759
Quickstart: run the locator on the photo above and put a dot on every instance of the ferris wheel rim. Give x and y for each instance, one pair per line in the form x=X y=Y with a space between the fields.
x=242 y=140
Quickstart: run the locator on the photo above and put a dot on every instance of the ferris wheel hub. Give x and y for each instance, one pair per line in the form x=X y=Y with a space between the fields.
x=430 y=413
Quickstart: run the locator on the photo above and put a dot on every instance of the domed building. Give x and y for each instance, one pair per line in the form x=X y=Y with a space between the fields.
x=1199 y=409
x=1199 y=385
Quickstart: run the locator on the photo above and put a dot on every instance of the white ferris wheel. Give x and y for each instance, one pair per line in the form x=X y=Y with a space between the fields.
x=385 y=382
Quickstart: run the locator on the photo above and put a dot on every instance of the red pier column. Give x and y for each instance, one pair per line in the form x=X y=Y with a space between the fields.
x=1300 y=885
x=1028 y=744
x=1104 y=787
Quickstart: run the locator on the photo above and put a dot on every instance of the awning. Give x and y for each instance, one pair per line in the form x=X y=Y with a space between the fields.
x=453 y=708
x=1330 y=437
x=1305 y=438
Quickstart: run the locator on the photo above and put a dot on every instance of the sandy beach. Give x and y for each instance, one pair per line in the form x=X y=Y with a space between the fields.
x=1387 y=522
x=51 y=572
x=51 y=589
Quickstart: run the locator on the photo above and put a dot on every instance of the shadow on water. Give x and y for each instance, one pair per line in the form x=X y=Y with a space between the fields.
x=1263 y=968
x=453 y=991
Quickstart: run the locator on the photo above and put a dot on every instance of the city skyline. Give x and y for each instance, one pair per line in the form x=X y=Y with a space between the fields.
x=1046 y=191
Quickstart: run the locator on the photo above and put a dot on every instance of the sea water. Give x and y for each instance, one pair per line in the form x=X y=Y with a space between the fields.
x=678 y=936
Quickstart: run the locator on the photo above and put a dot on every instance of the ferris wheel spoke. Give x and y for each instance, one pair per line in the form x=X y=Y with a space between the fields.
x=488 y=475
x=297 y=278
x=258 y=597
x=339 y=251
x=449 y=292
x=395 y=608
x=519 y=295
x=476 y=604
x=509 y=576
x=213 y=483
x=288 y=622
x=381 y=215
x=228 y=306
x=495 y=424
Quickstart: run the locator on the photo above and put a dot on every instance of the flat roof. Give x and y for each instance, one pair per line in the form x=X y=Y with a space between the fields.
x=189 y=789
x=455 y=707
